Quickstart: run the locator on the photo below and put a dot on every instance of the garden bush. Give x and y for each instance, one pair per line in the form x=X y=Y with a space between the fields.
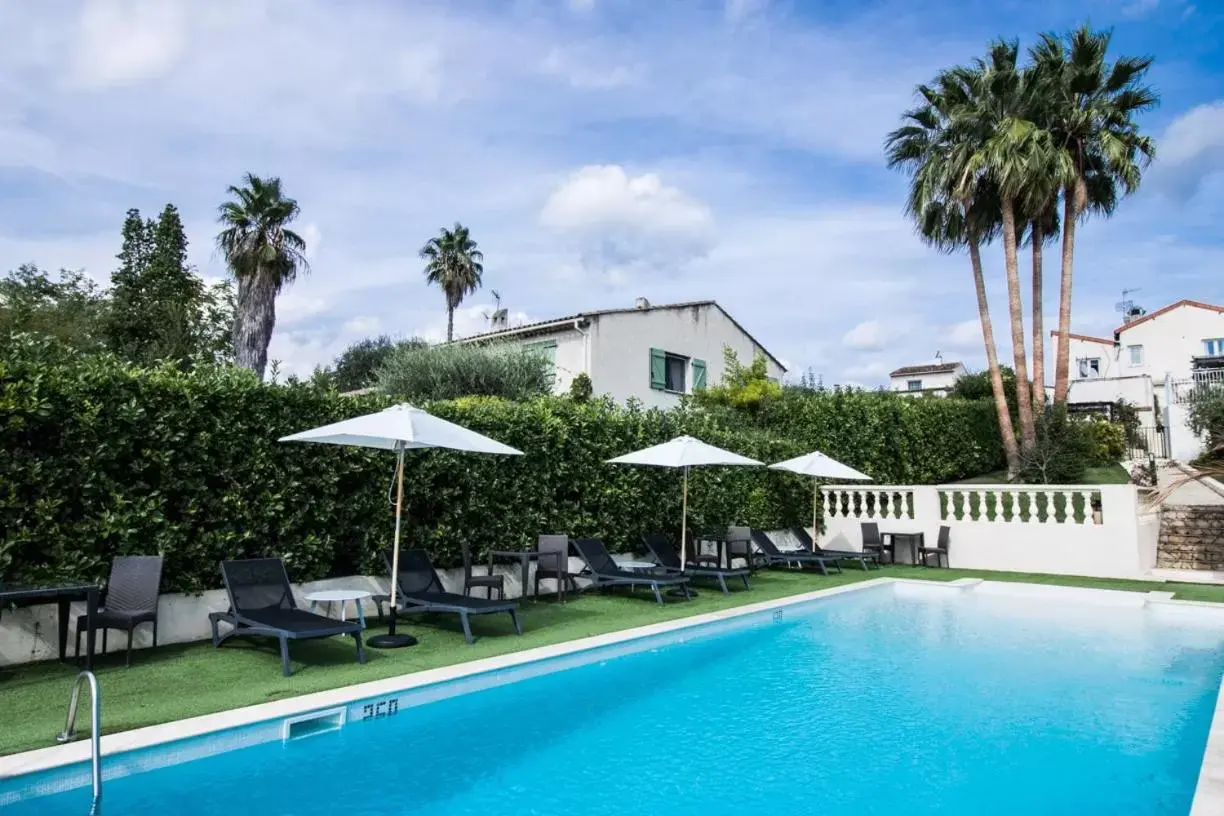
x=103 y=458
x=450 y=371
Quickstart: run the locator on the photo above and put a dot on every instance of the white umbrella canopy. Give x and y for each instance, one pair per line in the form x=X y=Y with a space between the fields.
x=819 y=466
x=399 y=428
x=683 y=452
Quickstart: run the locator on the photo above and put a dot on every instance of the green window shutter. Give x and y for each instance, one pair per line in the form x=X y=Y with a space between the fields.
x=658 y=369
x=699 y=375
x=547 y=350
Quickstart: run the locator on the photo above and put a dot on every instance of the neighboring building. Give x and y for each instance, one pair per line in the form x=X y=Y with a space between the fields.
x=1150 y=361
x=653 y=353
x=931 y=379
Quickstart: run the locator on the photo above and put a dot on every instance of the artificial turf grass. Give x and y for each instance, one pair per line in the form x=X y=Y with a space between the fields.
x=187 y=680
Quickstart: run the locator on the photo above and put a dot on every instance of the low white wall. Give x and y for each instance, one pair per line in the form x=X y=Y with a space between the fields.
x=1118 y=545
x=31 y=633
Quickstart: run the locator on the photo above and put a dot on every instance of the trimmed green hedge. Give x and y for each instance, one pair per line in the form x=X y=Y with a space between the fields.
x=103 y=459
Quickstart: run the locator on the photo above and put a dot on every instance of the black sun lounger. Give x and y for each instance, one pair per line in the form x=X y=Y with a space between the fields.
x=261 y=603
x=793 y=558
x=604 y=571
x=419 y=589
x=669 y=560
x=866 y=559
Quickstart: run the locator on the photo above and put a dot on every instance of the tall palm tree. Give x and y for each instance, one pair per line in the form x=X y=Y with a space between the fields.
x=455 y=264
x=1042 y=219
x=1088 y=105
x=949 y=215
x=263 y=255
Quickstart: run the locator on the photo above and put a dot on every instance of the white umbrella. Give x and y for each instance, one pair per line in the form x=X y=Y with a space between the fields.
x=400 y=428
x=819 y=466
x=683 y=452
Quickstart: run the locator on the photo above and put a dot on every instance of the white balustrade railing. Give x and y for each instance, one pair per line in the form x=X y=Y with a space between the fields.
x=1073 y=529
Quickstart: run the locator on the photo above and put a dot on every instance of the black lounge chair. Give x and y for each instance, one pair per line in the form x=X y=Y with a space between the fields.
x=669 y=560
x=865 y=558
x=261 y=603
x=419 y=589
x=940 y=550
x=130 y=600
x=604 y=572
x=793 y=558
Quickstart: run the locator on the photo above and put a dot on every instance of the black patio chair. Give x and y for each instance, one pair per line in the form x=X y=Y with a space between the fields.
x=554 y=563
x=739 y=545
x=793 y=558
x=419 y=589
x=129 y=600
x=667 y=557
x=874 y=542
x=604 y=572
x=489 y=581
x=262 y=604
x=940 y=550
x=865 y=558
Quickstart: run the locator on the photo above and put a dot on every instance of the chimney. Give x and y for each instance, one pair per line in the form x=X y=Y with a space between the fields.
x=641 y=303
x=500 y=320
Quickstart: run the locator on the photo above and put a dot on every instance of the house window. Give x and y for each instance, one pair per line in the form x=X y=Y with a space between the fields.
x=668 y=371
x=1089 y=367
x=547 y=350
x=1136 y=355
x=1214 y=347
x=913 y=385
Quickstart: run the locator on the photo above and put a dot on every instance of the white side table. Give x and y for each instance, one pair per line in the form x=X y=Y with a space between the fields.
x=637 y=566
x=340 y=596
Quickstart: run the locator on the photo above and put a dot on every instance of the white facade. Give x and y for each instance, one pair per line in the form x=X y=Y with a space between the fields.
x=624 y=351
x=936 y=379
x=1091 y=358
x=1165 y=342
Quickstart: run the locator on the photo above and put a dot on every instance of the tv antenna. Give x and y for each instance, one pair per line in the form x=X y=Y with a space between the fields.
x=1125 y=306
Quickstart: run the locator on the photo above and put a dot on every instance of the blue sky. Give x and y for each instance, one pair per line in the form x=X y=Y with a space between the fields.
x=599 y=150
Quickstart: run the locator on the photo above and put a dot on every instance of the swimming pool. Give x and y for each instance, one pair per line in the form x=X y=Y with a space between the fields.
x=894 y=699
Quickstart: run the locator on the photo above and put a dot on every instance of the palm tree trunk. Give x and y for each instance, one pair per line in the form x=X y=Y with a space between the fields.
x=254 y=320
x=1038 y=236
x=1062 y=363
x=1024 y=401
x=1006 y=431
x=450 y=323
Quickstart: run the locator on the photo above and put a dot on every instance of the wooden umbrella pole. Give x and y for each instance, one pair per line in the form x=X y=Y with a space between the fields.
x=815 y=496
x=399 y=509
x=684 y=522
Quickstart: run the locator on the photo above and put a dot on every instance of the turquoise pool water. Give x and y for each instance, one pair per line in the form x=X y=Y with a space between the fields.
x=872 y=702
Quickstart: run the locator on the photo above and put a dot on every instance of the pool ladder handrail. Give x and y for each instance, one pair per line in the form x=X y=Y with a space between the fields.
x=95 y=732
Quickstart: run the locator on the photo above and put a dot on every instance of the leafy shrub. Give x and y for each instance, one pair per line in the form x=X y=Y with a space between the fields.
x=744 y=387
x=450 y=371
x=357 y=367
x=1107 y=441
x=1063 y=451
x=1207 y=416
x=581 y=388
x=103 y=458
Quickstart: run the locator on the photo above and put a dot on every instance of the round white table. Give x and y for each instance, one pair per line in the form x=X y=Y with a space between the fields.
x=637 y=565
x=340 y=596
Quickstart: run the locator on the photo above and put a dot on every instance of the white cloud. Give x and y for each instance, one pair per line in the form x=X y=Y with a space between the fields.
x=581 y=6
x=469 y=320
x=363 y=325
x=120 y=42
x=965 y=335
x=313 y=237
x=1191 y=149
x=1138 y=8
x=870 y=335
x=737 y=11
x=585 y=71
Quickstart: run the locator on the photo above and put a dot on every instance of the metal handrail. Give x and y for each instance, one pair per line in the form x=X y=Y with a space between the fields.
x=95 y=735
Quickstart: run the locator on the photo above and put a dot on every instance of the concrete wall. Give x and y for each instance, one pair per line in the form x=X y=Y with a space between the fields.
x=621 y=344
x=1136 y=390
x=571 y=355
x=1119 y=545
x=1089 y=349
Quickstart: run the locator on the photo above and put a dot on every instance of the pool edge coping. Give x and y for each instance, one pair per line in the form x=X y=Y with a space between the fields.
x=1208 y=797
x=59 y=756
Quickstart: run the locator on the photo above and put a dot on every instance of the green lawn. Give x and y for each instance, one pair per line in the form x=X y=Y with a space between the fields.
x=174 y=682
x=1114 y=474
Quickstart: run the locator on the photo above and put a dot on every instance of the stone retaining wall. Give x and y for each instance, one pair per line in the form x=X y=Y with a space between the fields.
x=1191 y=537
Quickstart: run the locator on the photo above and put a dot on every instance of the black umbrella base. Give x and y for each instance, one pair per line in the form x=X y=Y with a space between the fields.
x=391 y=641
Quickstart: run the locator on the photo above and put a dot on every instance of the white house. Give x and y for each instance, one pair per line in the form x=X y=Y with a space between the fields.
x=929 y=379
x=653 y=353
x=1149 y=360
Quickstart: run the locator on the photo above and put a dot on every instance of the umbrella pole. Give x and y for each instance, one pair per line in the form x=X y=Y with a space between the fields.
x=684 y=521
x=815 y=496
x=391 y=640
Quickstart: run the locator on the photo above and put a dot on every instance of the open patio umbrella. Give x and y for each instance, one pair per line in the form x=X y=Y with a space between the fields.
x=683 y=452
x=819 y=466
x=400 y=428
